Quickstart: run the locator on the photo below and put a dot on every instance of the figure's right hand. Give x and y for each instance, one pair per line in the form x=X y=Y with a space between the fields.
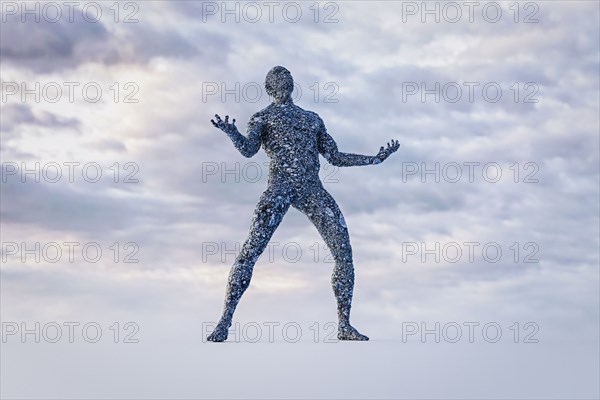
x=225 y=126
x=384 y=153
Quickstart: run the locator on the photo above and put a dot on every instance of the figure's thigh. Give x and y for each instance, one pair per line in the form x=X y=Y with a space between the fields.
x=322 y=210
x=268 y=214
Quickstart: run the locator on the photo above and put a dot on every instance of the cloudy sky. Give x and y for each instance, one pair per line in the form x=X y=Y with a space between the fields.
x=481 y=233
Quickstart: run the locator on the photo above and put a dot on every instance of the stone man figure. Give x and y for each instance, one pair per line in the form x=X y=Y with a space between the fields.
x=293 y=138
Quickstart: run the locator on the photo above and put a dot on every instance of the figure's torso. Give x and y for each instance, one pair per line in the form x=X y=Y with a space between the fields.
x=290 y=140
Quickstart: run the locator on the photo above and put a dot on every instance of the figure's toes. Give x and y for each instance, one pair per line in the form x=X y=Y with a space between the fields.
x=350 y=333
x=352 y=336
x=215 y=337
x=218 y=335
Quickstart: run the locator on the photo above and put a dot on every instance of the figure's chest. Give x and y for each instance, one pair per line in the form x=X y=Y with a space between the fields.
x=291 y=127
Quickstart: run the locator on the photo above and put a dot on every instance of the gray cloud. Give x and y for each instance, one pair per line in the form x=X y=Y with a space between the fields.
x=22 y=114
x=45 y=46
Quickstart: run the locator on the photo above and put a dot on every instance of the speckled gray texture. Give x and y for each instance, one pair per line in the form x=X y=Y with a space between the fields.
x=293 y=138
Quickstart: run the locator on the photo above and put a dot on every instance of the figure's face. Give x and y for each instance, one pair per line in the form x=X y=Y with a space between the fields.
x=279 y=83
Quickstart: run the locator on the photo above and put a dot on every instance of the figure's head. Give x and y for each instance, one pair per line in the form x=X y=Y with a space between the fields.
x=279 y=83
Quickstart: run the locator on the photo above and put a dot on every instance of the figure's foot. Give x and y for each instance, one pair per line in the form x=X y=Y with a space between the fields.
x=220 y=333
x=348 y=332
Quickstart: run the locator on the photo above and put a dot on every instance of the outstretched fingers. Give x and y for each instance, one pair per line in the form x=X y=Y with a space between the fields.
x=224 y=125
x=218 y=123
x=391 y=147
x=395 y=145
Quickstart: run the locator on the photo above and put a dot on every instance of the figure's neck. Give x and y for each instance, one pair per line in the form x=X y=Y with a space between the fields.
x=285 y=100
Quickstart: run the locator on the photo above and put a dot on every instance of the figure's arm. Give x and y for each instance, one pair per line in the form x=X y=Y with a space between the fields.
x=328 y=148
x=247 y=145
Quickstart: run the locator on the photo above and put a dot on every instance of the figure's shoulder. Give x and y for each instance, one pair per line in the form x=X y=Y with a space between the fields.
x=317 y=121
x=260 y=115
x=264 y=112
x=311 y=115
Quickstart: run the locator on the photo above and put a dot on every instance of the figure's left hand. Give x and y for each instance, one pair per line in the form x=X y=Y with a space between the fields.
x=386 y=152
x=225 y=126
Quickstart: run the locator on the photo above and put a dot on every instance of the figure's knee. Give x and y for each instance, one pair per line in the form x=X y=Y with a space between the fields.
x=261 y=232
x=344 y=265
x=244 y=262
x=341 y=249
x=344 y=268
x=240 y=275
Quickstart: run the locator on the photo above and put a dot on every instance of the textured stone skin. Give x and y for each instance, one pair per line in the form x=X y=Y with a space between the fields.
x=293 y=138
